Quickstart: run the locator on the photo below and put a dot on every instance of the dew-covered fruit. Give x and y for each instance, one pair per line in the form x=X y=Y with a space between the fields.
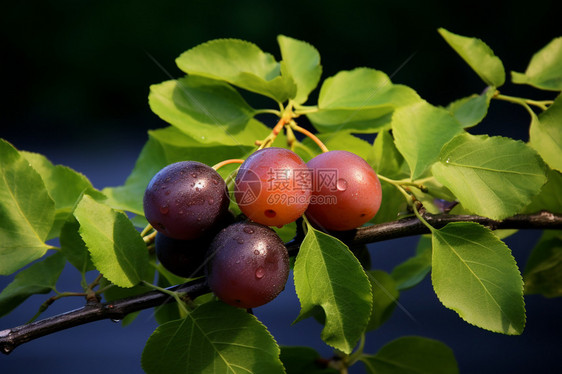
x=248 y=265
x=184 y=258
x=346 y=192
x=185 y=200
x=273 y=186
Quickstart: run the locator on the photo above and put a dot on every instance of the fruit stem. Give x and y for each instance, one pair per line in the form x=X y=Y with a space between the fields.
x=398 y=185
x=422 y=220
x=293 y=125
x=228 y=162
x=181 y=303
x=522 y=101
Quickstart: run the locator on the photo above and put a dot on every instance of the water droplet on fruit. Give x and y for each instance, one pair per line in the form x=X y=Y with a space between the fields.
x=341 y=184
x=240 y=241
x=270 y=213
x=248 y=230
x=180 y=212
x=167 y=192
x=237 y=261
x=215 y=182
x=256 y=252
x=194 y=175
x=198 y=189
x=164 y=209
x=115 y=320
x=260 y=272
x=211 y=201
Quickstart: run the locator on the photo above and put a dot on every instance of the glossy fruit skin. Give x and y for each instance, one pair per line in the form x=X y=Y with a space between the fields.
x=349 y=199
x=273 y=187
x=248 y=266
x=185 y=200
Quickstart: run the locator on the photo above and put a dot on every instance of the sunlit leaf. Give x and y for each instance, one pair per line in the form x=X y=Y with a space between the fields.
x=302 y=62
x=474 y=274
x=420 y=130
x=545 y=69
x=478 y=55
x=360 y=100
x=240 y=63
x=546 y=134
x=494 y=177
x=328 y=276
x=116 y=248
x=469 y=111
x=27 y=212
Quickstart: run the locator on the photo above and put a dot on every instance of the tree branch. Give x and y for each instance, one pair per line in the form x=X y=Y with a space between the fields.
x=94 y=311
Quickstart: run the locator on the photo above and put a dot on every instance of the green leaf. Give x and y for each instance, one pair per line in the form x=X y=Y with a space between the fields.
x=545 y=68
x=385 y=296
x=214 y=338
x=27 y=212
x=478 y=55
x=73 y=247
x=412 y=355
x=116 y=247
x=386 y=159
x=240 y=63
x=166 y=146
x=491 y=176
x=412 y=271
x=393 y=203
x=207 y=110
x=328 y=276
x=420 y=130
x=475 y=275
x=302 y=62
x=304 y=360
x=543 y=273
x=39 y=278
x=360 y=101
x=546 y=134
x=550 y=197
x=65 y=186
x=470 y=111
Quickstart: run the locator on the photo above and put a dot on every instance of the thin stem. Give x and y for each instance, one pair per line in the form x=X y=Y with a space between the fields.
x=228 y=162
x=355 y=356
x=305 y=110
x=313 y=137
x=398 y=185
x=173 y=294
x=268 y=111
x=420 y=217
x=146 y=230
x=43 y=307
x=522 y=101
x=149 y=239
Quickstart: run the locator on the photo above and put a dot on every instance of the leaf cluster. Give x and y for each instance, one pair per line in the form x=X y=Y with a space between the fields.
x=425 y=156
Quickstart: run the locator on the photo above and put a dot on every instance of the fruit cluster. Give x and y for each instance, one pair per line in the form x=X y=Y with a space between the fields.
x=246 y=263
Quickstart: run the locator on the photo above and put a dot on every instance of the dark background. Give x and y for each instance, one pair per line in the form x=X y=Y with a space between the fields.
x=75 y=84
